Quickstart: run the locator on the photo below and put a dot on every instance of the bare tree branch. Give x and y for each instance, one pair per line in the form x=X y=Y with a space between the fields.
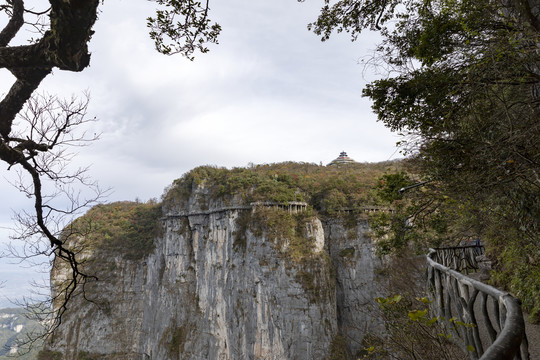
x=37 y=150
x=14 y=24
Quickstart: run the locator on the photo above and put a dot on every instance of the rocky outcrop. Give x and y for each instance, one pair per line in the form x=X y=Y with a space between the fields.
x=355 y=266
x=224 y=281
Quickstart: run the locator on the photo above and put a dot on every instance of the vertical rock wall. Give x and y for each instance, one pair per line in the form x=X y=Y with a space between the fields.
x=216 y=287
x=353 y=255
x=218 y=300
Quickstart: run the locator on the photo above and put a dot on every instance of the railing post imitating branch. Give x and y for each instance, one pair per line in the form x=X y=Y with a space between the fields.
x=496 y=334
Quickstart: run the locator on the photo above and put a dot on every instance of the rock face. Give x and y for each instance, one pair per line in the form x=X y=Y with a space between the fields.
x=352 y=253
x=225 y=281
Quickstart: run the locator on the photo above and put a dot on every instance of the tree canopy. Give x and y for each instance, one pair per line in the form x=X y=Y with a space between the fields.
x=462 y=86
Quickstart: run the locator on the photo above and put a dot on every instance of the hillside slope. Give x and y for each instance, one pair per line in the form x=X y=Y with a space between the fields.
x=14 y=327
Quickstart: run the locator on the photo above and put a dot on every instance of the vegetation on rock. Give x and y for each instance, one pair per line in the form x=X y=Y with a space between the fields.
x=411 y=333
x=49 y=355
x=124 y=228
x=287 y=234
x=463 y=87
x=327 y=189
x=339 y=348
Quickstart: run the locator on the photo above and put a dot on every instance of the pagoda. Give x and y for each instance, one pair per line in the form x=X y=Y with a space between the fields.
x=342 y=159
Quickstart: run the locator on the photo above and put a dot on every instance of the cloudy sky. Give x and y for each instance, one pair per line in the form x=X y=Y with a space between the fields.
x=270 y=91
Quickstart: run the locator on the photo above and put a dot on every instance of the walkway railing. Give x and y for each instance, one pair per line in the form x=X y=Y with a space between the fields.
x=492 y=328
x=292 y=207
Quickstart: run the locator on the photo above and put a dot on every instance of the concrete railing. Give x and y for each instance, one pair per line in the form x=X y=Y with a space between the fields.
x=366 y=209
x=292 y=207
x=492 y=328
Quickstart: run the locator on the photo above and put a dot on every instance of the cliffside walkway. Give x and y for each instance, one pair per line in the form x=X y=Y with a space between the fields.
x=292 y=207
x=492 y=328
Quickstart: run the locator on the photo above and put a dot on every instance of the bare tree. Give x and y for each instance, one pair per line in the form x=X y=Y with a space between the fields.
x=38 y=131
x=35 y=130
x=45 y=132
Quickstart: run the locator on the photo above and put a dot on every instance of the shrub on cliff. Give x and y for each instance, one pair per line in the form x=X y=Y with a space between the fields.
x=125 y=228
x=325 y=188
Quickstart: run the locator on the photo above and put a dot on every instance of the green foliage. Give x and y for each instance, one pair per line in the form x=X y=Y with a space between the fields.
x=425 y=216
x=174 y=339
x=347 y=253
x=419 y=315
x=242 y=225
x=390 y=184
x=334 y=200
x=124 y=228
x=518 y=270
x=469 y=111
x=83 y=355
x=411 y=332
x=420 y=216
x=437 y=220
x=326 y=189
x=353 y=16
x=339 y=349
x=182 y=27
x=286 y=231
x=390 y=231
x=391 y=300
x=178 y=339
x=287 y=234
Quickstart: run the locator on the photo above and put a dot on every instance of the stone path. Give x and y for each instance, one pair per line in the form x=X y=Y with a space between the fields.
x=533 y=336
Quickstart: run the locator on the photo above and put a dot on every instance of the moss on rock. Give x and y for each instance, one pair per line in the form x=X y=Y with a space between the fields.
x=326 y=189
x=124 y=228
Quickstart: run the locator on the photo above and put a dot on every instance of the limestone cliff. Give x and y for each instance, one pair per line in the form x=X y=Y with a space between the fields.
x=221 y=278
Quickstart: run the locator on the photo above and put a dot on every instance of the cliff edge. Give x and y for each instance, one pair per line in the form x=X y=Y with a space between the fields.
x=233 y=264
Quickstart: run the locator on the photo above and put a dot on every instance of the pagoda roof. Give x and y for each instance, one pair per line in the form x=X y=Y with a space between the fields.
x=343 y=158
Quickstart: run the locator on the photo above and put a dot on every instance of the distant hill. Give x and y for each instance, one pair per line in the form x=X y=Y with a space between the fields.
x=14 y=326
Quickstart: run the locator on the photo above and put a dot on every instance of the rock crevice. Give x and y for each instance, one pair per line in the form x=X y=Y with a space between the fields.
x=229 y=285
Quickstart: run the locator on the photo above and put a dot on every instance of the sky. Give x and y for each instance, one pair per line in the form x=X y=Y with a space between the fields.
x=271 y=91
